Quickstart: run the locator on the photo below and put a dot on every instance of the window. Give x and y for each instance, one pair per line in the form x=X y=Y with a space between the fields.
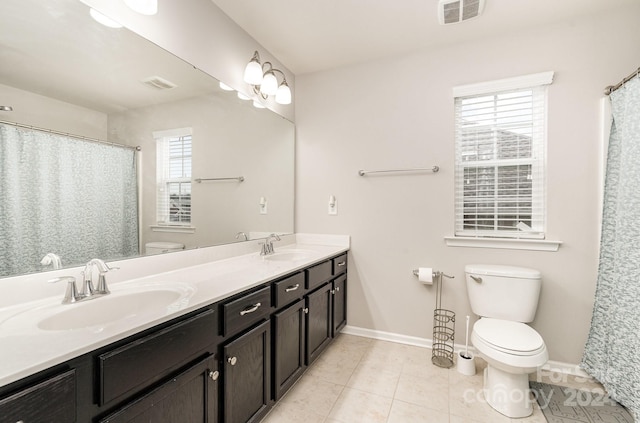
x=500 y=158
x=173 y=149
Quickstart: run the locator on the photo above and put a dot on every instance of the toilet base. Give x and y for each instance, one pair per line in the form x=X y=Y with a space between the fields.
x=507 y=393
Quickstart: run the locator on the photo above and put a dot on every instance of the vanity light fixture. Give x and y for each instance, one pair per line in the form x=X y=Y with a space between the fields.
x=6 y=109
x=225 y=87
x=262 y=76
x=144 y=7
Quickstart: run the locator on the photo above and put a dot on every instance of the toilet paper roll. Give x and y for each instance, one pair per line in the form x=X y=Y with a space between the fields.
x=425 y=275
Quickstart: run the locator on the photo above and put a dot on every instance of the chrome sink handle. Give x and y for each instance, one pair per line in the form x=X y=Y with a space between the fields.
x=71 y=294
x=88 y=288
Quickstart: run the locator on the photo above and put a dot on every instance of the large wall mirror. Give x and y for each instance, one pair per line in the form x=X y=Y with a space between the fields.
x=65 y=77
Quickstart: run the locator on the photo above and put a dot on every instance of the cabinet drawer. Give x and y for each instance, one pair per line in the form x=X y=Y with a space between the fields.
x=246 y=310
x=53 y=400
x=339 y=264
x=319 y=274
x=138 y=364
x=288 y=290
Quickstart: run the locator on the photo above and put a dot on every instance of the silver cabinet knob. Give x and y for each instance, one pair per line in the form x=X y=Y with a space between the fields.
x=232 y=360
x=213 y=375
x=306 y=310
x=337 y=289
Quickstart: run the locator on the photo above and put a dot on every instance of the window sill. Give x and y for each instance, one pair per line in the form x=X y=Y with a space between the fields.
x=174 y=229
x=504 y=243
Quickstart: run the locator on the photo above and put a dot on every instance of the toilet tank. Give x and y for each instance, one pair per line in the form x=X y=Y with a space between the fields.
x=503 y=292
x=151 y=248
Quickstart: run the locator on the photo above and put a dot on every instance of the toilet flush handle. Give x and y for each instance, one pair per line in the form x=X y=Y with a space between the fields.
x=476 y=278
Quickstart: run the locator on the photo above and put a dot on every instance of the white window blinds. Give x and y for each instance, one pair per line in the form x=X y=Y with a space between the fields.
x=173 y=176
x=500 y=151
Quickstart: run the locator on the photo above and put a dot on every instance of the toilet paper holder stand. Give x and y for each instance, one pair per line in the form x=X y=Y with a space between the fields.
x=436 y=274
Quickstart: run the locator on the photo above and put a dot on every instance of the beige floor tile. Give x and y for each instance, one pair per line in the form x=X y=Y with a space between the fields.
x=375 y=378
x=355 y=406
x=331 y=370
x=391 y=354
x=403 y=412
x=292 y=413
x=430 y=392
x=466 y=399
x=313 y=394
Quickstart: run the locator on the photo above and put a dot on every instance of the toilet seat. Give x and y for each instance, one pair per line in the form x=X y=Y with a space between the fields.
x=509 y=337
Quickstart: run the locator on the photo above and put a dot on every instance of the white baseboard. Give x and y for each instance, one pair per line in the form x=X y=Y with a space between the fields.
x=549 y=368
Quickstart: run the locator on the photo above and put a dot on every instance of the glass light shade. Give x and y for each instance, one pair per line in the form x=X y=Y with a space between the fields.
x=102 y=19
x=253 y=73
x=269 y=84
x=144 y=7
x=243 y=96
x=258 y=105
x=283 y=95
x=225 y=86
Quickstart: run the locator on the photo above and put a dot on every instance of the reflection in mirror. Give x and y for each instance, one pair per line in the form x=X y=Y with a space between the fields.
x=65 y=73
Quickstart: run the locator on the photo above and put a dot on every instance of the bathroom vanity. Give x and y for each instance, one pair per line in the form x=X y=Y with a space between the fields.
x=228 y=343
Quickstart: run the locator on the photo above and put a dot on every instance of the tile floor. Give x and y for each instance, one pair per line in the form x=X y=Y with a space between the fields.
x=361 y=380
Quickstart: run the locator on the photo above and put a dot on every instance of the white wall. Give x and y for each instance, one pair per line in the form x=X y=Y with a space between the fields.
x=46 y=112
x=398 y=113
x=200 y=33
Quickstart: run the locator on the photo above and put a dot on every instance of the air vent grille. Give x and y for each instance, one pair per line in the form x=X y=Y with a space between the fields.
x=159 y=83
x=455 y=11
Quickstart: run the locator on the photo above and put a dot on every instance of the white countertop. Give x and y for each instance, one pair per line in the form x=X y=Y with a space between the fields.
x=26 y=348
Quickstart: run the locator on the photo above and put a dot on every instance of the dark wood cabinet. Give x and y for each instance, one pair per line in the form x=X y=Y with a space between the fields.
x=52 y=400
x=247 y=375
x=339 y=293
x=191 y=396
x=138 y=364
x=260 y=346
x=288 y=347
x=318 y=322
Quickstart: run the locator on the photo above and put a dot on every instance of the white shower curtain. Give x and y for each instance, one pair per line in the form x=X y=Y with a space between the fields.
x=611 y=352
x=62 y=195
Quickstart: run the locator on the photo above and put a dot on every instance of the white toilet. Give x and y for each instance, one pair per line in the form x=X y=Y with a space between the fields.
x=159 y=247
x=505 y=298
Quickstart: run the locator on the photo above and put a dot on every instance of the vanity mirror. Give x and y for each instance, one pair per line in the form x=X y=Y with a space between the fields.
x=62 y=71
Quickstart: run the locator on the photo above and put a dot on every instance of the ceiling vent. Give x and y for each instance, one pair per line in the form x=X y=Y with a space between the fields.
x=159 y=83
x=455 y=11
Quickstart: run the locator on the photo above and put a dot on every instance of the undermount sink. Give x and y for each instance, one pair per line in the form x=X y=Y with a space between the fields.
x=112 y=308
x=289 y=255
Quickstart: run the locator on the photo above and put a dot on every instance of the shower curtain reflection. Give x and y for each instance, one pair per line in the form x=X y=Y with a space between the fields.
x=62 y=195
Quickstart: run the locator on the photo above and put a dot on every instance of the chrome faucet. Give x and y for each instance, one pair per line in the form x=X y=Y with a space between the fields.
x=88 y=291
x=267 y=246
x=242 y=234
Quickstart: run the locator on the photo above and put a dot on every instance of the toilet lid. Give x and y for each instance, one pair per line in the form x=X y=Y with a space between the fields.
x=508 y=336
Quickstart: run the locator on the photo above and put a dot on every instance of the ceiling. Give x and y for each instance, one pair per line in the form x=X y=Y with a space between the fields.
x=314 y=35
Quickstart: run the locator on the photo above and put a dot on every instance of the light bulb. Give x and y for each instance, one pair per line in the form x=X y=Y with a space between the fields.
x=269 y=84
x=253 y=73
x=283 y=95
x=100 y=18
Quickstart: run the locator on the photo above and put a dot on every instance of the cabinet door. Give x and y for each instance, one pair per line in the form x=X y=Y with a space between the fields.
x=247 y=376
x=53 y=400
x=288 y=347
x=191 y=396
x=319 y=322
x=339 y=304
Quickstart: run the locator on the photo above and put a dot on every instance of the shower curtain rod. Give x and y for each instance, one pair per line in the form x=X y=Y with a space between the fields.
x=612 y=88
x=66 y=134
